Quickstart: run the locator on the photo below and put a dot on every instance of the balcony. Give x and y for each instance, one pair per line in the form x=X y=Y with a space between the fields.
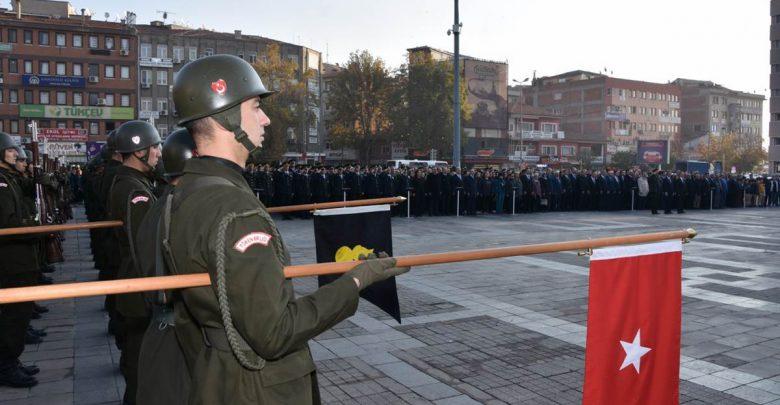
x=669 y=120
x=774 y=153
x=674 y=104
x=538 y=135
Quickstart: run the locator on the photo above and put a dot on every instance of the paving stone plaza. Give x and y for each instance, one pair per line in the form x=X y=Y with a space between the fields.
x=492 y=332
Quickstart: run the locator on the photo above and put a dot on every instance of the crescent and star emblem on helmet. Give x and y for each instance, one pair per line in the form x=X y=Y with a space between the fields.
x=219 y=87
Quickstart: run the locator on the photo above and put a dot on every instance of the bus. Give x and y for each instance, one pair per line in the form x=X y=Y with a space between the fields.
x=415 y=164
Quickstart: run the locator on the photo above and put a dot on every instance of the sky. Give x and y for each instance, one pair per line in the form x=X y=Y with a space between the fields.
x=724 y=41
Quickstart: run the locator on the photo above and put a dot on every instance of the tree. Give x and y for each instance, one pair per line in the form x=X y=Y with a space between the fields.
x=285 y=108
x=624 y=160
x=429 y=86
x=743 y=151
x=359 y=100
x=585 y=156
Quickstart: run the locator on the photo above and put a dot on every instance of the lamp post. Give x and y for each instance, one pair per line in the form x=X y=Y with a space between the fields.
x=455 y=31
x=522 y=101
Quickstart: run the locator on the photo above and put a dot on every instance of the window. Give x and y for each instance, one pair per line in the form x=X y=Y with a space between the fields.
x=12 y=36
x=13 y=66
x=528 y=126
x=162 y=129
x=568 y=150
x=110 y=71
x=146 y=104
x=240 y=55
x=208 y=52
x=93 y=98
x=124 y=72
x=28 y=97
x=162 y=104
x=78 y=98
x=93 y=69
x=62 y=124
x=162 y=77
x=1 y=102
x=62 y=98
x=146 y=50
x=93 y=42
x=124 y=100
x=14 y=126
x=146 y=77
x=109 y=99
x=557 y=96
x=124 y=44
x=44 y=97
x=178 y=53
x=192 y=53
x=549 y=150
x=61 y=71
x=94 y=128
x=548 y=127
x=78 y=124
x=77 y=69
x=252 y=57
x=28 y=37
x=715 y=100
x=109 y=42
x=13 y=96
x=162 y=51
x=28 y=69
x=59 y=39
x=78 y=41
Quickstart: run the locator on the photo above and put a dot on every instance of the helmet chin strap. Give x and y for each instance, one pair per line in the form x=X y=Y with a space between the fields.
x=145 y=159
x=230 y=119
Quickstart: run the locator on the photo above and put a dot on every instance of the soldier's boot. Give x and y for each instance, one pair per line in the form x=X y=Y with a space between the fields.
x=37 y=332
x=29 y=370
x=11 y=375
x=32 y=339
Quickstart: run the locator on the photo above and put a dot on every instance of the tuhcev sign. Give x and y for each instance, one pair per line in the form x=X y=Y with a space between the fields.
x=88 y=112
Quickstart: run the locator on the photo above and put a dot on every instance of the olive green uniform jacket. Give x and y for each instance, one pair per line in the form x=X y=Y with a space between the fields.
x=263 y=306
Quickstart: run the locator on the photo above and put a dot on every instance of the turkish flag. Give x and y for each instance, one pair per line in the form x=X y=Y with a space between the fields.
x=632 y=352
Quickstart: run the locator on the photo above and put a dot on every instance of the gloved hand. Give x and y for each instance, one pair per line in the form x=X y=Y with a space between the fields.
x=374 y=269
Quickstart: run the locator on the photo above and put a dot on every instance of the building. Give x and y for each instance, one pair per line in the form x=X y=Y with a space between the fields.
x=616 y=112
x=65 y=70
x=166 y=48
x=333 y=154
x=708 y=109
x=774 y=84
x=486 y=88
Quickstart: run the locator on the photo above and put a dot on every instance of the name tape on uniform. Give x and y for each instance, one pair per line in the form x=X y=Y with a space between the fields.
x=252 y=238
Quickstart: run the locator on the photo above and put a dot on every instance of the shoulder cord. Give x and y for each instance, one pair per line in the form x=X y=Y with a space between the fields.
x=234 y=338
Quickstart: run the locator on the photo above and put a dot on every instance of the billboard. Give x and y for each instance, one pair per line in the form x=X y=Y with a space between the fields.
x=486 y=89
x=63 y=134
x=652 y=152
x=54 y=81
x=61 y=111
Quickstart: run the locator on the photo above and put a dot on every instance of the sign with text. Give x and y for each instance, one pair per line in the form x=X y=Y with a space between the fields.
x=156 y=62
x=54 y=81
x=652 y=152
x=76 y=112
x=65 y=148
x=63 y=134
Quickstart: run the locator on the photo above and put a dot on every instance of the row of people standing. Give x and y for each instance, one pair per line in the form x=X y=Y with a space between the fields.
x=444 y=190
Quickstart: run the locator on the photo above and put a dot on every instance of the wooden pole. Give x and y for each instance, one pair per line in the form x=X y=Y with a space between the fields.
x=26 y=230
x=72 y=290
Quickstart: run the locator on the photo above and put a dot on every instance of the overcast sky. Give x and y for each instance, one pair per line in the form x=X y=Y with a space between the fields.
x=720 y=40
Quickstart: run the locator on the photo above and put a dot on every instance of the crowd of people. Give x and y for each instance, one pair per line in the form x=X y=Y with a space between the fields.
x=436 y=191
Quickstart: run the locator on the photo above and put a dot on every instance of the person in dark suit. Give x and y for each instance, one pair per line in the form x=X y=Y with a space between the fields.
x=528 y=198
x=667 y=192
x=654 y=196
x=680 y=192
x=283 y=193
x=470 y=192
x=457 y=195
x=433 y=191
x=419 y=198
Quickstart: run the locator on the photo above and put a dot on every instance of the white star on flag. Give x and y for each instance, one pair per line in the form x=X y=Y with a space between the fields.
x=634 y=352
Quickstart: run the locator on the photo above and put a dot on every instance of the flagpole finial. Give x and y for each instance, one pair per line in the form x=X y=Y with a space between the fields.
x=691 y=234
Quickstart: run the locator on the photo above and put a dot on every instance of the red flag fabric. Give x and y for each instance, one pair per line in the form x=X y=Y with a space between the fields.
x=632 y=351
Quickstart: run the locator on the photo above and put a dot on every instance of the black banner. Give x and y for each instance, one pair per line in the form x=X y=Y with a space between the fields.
x=342 y=234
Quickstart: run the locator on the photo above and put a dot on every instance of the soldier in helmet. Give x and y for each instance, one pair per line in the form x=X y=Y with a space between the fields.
x=254 y=331
x=130 y=197
x=164 y=376
x=19 y=268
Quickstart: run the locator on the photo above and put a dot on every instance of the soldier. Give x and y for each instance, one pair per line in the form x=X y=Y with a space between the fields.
x=254 y=331
x=164 y=378
x=130 y=198
x=19 y=268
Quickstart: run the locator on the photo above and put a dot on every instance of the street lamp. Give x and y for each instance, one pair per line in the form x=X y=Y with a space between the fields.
x=522 y=101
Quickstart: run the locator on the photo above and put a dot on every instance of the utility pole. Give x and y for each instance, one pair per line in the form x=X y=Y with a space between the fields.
x=455 y=31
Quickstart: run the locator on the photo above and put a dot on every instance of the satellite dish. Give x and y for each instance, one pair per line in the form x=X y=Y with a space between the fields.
x=106 y=14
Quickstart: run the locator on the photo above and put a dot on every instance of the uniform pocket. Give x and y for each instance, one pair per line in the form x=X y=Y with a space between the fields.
x=288 y=368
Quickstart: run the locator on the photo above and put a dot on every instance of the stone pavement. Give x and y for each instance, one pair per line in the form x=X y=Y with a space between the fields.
x=501 y=331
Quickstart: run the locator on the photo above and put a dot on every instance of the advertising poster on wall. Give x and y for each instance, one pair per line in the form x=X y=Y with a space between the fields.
x=652 y=152
x=486 y=86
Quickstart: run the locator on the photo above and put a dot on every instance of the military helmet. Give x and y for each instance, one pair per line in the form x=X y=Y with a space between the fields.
x=136 y=135
x=6 y=141
x=214 y=84
x=111 y=141
x=177 y=149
